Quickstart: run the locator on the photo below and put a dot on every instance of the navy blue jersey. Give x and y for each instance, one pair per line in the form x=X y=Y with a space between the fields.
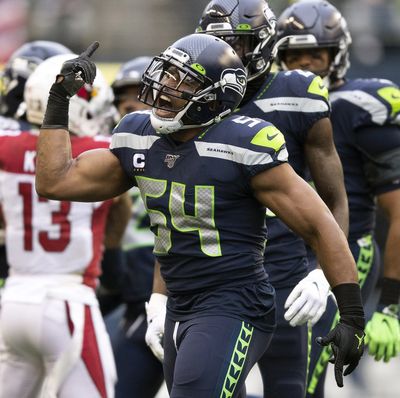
x=293 y=101
x=365 y=117
x=209 y=229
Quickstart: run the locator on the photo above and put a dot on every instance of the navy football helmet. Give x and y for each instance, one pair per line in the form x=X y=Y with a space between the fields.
x=213 y=71
x=130 y=74
x=248 y=26
x=19 y=67
x=313 y=24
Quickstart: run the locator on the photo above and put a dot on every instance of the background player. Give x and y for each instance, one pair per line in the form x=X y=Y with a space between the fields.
x=367 y=137
x=213 y=243
x=297 y=103
x=20 y=65
x=54 y=338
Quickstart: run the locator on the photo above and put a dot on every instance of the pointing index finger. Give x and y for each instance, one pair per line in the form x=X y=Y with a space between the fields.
x=91 y=49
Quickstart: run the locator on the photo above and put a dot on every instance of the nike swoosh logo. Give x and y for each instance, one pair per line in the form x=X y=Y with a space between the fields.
x=271 y=137
x=360 y=340
x=321 y=86
x=396 y=97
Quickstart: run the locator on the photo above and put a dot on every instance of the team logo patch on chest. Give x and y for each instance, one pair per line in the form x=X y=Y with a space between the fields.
x=170 y=160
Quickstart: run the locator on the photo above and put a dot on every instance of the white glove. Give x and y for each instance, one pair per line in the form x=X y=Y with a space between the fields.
x=155 y=310
x=307 y=301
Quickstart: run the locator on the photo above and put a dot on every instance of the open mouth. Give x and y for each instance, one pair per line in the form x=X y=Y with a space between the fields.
x=164 y=102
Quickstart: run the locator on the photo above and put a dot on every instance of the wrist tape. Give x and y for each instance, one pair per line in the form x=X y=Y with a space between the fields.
x=56 y=116
x=390 y=291
x=348 y=297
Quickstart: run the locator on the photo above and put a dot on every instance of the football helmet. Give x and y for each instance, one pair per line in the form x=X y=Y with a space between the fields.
x=91 y=110
x=18 y=68
x=205 y=63
x=248 y=26
x=126 y=85
x=130 y=73
x=315 y=23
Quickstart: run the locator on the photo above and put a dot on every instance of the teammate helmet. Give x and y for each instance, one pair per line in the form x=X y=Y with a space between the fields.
x=316 y=23
x=130 y=73
x=18 y=68
x=204 y=61
x=90 y=111
x=248 y=26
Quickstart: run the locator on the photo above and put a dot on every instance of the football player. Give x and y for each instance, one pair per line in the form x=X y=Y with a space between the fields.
x=206 y=176
x=297 y=104
x=128 y=334
x=365 y=116
x=13 y=77
x=55 y=343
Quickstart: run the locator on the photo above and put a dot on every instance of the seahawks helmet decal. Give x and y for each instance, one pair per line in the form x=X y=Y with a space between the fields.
x=235 y=79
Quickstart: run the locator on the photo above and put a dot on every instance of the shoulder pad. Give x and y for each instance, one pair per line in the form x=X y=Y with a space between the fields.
x=379 y=97
x=304 y=83
x=258 y=132
x=133 y=122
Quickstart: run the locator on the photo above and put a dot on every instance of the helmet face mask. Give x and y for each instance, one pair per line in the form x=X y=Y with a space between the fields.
x=195 y=82
x=315 y=24
x=248 y=26
x=169 y=86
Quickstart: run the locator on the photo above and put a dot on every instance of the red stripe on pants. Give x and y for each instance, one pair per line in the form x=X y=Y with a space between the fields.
x=91 y=355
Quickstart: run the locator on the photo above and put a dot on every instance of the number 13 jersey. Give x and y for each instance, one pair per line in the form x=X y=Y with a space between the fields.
x=47 y=236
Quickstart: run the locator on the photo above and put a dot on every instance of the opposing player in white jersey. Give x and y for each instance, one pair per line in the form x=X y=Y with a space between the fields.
x=16 y=71
x=55 y=343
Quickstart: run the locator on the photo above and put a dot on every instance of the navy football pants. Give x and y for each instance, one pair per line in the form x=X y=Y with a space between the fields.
x=283 y=367
x=210 y=356
x=140 y=373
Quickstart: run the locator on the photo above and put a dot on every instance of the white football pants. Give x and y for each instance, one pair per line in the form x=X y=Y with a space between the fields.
x=54 y=348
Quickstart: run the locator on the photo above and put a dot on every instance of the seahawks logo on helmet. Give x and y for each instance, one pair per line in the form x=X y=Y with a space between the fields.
x=235 y=79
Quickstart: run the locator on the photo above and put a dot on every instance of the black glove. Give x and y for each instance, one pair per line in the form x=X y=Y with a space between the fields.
x=347 y=337
x=74 y=74
x=78 y=71
x=347 y=343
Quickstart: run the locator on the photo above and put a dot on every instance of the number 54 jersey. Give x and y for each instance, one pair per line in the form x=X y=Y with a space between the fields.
x=209 y=228
x=47 y=236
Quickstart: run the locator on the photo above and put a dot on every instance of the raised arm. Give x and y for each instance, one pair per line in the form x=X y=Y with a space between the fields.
x=94 y=175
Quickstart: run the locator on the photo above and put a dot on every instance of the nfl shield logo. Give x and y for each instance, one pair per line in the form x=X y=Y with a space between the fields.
x=170 y=160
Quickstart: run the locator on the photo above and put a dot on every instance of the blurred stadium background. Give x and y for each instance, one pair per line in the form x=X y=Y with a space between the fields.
x=129 y=28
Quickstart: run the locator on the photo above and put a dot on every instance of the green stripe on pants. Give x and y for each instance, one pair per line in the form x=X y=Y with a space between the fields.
x=237 y=360
x=364 y=264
